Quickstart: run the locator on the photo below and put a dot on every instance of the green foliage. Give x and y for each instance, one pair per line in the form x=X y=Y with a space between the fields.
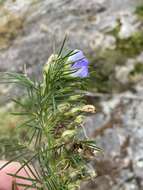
x=114 y=32
x=51 y=109
x=138 y=69
x=8 y=132
x=102 y=70
x=2 y=1
x=132 y=46
x=139 y=11
x=102 y=67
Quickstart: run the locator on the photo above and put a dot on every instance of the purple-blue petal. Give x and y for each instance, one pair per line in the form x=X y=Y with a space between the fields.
x=77 y=55
x=80 y=62
x=81 y=72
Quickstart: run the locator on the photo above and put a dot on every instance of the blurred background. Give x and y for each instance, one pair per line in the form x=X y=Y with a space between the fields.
x=110 y=32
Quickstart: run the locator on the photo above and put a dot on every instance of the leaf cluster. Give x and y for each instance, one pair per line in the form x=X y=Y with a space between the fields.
x=50 y=110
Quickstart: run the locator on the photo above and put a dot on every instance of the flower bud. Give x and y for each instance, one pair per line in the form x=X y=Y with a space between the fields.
x=79 y=119
x=73 y=111
x=75 y=97
x=51 y=60
x=74 y=186
x=64 y=107
x=88 y=109
x=68 y=134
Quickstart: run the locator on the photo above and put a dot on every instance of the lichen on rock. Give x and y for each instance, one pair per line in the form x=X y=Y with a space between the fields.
x=10 y=27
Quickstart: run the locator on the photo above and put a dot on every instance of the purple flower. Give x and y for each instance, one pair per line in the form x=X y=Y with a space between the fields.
x=80 y=64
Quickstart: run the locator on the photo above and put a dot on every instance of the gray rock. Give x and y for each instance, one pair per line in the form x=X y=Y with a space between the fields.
x=122 y=72
x=129 y=25
x=48 y=21
x=118 y=131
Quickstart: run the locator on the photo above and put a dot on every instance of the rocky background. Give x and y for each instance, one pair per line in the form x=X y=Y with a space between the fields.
x=110 y=32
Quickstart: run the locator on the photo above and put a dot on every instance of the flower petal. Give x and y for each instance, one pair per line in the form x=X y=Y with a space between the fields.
x=80 y=63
